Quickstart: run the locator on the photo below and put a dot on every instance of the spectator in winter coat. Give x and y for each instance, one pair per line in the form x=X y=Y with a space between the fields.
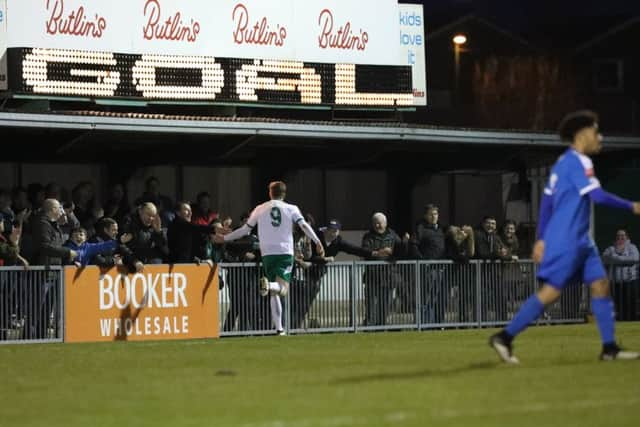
x=623 y=262
x=380 y=280
x=87 y=251
x=149 y=243
x=107 y=230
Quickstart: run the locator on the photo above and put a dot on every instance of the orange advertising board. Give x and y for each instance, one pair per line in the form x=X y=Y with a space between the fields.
x=161 y=303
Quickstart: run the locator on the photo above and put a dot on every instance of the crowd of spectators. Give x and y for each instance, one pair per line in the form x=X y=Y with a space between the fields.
x=42 y=225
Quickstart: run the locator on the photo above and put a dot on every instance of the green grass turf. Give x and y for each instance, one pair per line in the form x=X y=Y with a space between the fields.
x=439 y=378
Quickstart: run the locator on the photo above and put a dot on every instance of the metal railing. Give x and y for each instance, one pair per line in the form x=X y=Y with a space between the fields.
x=31 y=304
x=370 y=295
x=337 y=297
x=624 y=278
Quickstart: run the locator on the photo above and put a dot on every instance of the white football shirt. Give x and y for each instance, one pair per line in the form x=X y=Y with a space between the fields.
x=275 y=220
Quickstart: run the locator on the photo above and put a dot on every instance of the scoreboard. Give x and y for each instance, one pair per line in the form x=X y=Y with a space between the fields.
x=63 y=72
x=294 y=52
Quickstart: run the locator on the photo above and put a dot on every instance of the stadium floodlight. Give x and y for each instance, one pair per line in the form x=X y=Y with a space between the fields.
x=459 y=39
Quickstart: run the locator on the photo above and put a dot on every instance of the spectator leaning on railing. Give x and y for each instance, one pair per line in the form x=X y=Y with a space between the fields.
x=49 y=250
x=107 y=230
x=186 y=239
x=429 y=238
x=489 y=247
x=510 y=244
x=488 y=243
x=87 y=251
x=428 y=243
x=48 y=239
x=333 y=244
x=149 y=244
x=460 y=247
x=622 y=258
x=381 y=280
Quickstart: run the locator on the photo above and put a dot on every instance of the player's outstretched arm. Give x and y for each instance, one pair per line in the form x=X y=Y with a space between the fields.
x=306 y=228
x=236 y=234
x=601 y=197
x=636 y=208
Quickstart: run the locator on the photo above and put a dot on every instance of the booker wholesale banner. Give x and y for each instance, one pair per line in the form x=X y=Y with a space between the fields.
x=413 y=49
x=333 y=31
x=163 y=302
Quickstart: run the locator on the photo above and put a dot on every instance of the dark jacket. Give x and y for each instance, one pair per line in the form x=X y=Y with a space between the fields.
x=383 y=275
x=372 y=241
x=237 y=249
x=428 y=241
x=487 y=245
x=339 y=245
x=107 y=259
x=186 y=240
x=48 y=242
x=512 y=245
x=147 y=244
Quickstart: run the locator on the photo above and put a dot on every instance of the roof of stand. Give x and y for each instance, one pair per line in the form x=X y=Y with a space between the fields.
x=257 y=127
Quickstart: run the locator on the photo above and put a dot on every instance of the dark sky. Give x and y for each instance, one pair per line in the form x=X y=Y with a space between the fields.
x=537 y=19
x=521 y=9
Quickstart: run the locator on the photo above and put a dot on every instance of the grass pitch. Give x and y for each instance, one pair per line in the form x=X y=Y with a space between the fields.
x=439 y=378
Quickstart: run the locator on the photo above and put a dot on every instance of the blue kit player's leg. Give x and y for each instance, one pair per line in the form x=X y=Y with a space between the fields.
x=602 y=307
x=585 y=264
x=556 y=270
x=601 y=303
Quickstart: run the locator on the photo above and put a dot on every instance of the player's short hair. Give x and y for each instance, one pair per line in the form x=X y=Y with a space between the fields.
x=575 y=122
x=277 y=189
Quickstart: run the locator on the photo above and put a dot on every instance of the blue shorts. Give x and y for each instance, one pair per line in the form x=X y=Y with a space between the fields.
x=561 y=268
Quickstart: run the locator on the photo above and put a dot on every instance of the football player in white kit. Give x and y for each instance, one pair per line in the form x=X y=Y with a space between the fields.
x=275 y=220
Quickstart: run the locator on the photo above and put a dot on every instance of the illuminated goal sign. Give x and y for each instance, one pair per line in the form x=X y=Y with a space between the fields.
x=62 y=72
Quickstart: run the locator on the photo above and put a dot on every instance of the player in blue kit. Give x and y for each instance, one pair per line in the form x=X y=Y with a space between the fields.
x=564 y=249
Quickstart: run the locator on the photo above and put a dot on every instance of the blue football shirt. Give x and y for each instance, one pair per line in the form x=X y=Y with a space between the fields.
x=572 y=178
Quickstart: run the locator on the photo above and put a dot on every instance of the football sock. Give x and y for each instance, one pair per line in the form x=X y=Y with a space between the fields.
x=529 y=311
x=602 y=309
x=276 y=311
x=274 y=287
